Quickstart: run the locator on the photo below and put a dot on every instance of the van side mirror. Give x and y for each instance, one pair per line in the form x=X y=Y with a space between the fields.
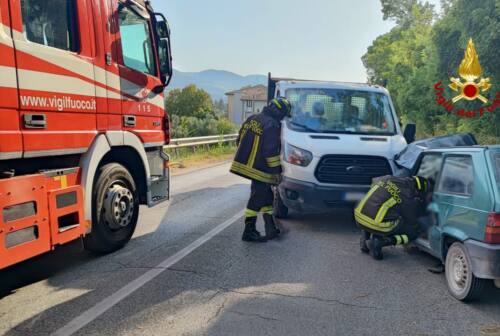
x=410 y=132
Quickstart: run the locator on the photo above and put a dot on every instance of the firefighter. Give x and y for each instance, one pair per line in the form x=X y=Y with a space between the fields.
x=258 y=159
x=388 y=214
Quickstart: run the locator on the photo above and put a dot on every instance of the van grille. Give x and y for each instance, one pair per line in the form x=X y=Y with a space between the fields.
x=351 y=169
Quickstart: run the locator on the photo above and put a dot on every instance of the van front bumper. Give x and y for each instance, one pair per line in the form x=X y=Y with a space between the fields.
x=309 y=197
x=485 y=259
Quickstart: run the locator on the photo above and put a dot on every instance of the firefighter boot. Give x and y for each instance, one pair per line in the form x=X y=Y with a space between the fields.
x=251 y=234
x=271 y=230
x=365 y=236
x=376 y=244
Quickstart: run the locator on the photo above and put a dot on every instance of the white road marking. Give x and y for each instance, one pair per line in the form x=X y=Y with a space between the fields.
x=100 y=308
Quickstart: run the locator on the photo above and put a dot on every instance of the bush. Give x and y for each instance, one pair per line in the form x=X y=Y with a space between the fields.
x=186 y=127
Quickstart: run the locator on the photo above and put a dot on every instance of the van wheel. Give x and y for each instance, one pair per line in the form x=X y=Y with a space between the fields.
x=462 y=283
x=116 y=209
x=280 y=209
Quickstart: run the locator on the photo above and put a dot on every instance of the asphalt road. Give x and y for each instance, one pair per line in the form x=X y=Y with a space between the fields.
x=186 y=272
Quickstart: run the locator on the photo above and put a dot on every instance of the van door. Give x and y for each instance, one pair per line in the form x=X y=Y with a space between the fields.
x=142 y=109
x=11 y=144
x=55 y=72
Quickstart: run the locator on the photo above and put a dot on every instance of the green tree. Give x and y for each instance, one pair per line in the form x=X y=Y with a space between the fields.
x=190 y=102
x=193 y=113
x=220 y=108
x=404 y=12
x=425 y=48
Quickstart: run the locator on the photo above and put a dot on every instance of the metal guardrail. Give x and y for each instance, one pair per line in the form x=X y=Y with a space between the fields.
x=200 y=141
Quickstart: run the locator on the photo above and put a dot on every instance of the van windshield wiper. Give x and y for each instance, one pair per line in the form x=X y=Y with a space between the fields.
x=304 y=127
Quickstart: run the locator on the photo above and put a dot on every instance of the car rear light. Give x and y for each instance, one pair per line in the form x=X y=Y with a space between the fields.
x=492 y=233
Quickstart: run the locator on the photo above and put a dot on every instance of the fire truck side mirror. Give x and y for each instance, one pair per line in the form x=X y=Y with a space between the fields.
x=162 y=26
x=164 y=50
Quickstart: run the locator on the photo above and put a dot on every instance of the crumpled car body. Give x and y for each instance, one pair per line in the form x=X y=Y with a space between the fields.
x=464 y=214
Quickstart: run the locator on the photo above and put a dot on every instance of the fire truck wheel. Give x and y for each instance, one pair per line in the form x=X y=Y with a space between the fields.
x=116 y=209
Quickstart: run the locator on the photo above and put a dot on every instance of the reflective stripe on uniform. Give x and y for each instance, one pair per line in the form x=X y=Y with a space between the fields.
x=267 y=209
x=382 y=212
x=253 y=173
x=273 y=161
x=253 y=153
x=361 y=205
x=399 y=240
x=369 y=223
x=405 y=238
x=250 y=213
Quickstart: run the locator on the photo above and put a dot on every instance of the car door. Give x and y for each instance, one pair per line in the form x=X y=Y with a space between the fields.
x=11 y=144
x=55 y=71
x=142 y=109
x=428 y=166
x=461 y=204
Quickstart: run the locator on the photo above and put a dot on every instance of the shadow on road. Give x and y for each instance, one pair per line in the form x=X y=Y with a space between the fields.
x=72 y=256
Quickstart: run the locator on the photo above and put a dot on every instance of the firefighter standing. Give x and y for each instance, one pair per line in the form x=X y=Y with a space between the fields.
x=258 y=159
x=388 y=214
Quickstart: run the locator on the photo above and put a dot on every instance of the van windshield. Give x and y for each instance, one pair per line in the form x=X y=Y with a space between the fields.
x=340 y=111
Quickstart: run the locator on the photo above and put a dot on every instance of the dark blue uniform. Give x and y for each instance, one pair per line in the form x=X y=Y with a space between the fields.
x=258 y=159
x=388 y=214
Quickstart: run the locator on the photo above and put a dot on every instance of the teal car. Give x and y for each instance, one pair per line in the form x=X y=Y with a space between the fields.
x=464 y=215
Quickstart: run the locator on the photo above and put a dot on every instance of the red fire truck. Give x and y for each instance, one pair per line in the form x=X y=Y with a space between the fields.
x=82 y=122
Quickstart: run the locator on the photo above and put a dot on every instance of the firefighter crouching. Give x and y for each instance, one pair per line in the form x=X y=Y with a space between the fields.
x=258 y=159
x=388 y=214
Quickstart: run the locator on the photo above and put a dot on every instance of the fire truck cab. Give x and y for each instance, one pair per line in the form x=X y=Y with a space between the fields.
x=82 y=122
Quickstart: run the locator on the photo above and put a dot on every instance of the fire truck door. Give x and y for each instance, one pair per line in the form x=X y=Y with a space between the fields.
x=142 y=109
x=11 y=144
x=57 y=94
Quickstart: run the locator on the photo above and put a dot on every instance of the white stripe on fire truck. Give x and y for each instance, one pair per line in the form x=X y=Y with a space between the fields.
x=6 y=35
x=8 y=77
x=62 y=59
x=43 y=81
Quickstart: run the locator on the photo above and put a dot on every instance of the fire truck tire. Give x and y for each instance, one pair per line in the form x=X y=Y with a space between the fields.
x=115 y=202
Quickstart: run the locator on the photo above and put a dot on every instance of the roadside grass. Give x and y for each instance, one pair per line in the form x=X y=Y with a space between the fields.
x=201 y=155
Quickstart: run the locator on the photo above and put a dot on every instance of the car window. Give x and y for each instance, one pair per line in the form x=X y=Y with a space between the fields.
x=52 y=23
x=137 y=47
x=430 y=166
x=457 y=176
x=496 y=165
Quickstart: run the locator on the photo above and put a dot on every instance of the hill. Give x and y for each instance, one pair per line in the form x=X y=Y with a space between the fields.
x=215 y=82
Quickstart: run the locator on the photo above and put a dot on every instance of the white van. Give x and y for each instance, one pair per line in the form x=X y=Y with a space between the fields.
x=339 y=137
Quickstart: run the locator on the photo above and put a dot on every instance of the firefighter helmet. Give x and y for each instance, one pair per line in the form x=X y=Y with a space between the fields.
x=283 y=105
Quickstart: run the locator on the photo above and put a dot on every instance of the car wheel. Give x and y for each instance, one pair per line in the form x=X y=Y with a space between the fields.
x=280 y=209
x=462 y=283
x=115 y=203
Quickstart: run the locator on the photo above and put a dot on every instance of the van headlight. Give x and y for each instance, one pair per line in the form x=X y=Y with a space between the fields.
x=297 y=156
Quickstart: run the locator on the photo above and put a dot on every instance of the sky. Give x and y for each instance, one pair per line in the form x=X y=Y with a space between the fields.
x=310 y=39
